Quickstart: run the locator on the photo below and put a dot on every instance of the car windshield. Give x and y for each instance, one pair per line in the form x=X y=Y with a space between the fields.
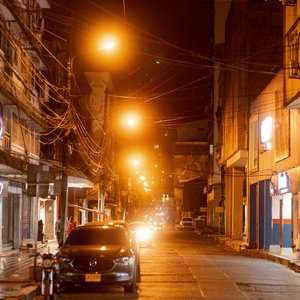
x=187 y=219
x=98 y=236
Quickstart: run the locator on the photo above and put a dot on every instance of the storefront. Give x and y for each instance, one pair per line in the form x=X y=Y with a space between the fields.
x=10 y=208
x=285 y=214
x=260 y=215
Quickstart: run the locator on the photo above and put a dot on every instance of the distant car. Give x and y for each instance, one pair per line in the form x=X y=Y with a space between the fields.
x=187 y=223
x=141 y=232
x=98 y=254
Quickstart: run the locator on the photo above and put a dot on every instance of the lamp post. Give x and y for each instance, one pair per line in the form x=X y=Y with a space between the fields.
x=102 y=179
x=107 y=45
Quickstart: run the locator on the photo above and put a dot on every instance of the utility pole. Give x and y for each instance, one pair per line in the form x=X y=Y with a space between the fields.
x=63 y=208
x=64 y=189
x=103 y=178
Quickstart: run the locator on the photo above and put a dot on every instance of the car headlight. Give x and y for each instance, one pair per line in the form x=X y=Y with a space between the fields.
x=125 y=257
x=143 y=234
x=123 y=260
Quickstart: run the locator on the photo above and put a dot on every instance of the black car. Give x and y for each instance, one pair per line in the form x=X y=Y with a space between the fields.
x=95 y=255
x=124 y=224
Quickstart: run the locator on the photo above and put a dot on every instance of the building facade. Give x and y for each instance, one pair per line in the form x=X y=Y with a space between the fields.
x=45 y=151
x=191 y=152
x=259 y=108
x=251 y=63
x=23 y=91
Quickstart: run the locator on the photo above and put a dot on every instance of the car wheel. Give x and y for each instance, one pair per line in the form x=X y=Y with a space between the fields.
x=138 y=277
x=132 y=287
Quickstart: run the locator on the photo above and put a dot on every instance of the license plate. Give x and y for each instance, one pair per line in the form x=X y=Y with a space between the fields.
x=92 y=277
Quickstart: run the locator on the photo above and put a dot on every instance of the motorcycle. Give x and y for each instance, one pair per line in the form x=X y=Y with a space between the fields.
x=49 y=269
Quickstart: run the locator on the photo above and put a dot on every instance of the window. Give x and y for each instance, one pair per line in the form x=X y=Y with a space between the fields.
x=293 y=43
x=266 y=133
x=35 y=143
x=16 y=134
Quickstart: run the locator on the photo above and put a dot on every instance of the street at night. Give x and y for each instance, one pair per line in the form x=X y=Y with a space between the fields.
x=119 y=119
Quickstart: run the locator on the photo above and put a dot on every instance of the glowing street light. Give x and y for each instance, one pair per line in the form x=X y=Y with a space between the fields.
x=108 y=46
x=130 y=120
x=107 y=43
x=136 y=163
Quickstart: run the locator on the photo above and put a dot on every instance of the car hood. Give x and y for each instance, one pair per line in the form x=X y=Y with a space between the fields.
x=77 y=251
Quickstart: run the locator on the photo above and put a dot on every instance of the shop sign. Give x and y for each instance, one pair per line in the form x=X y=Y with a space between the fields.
x=283 y=182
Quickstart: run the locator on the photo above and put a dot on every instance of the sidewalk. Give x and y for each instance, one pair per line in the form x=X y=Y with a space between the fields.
x=288 y=260
x=16 y=271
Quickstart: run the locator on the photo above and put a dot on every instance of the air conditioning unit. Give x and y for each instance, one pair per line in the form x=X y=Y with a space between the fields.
x=288 y=2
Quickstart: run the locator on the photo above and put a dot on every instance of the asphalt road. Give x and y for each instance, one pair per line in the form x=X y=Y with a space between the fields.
x=185 y=265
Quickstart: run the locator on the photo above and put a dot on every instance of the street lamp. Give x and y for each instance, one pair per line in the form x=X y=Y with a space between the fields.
x=130 y=120
x=106 y=45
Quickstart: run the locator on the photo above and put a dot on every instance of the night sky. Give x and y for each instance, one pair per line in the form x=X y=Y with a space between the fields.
x=166 y=45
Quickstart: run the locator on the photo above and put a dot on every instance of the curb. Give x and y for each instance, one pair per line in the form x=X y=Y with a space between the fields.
x=239 y=246
x=25 y=293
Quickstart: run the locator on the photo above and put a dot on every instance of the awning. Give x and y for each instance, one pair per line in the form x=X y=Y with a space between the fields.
x=86 y=209
x=79 y=182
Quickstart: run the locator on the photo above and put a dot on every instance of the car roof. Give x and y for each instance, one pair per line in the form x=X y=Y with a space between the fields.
x=139 y=222
x=105 y=222
x=95 y=223
x=116 y=223
x=98 y=232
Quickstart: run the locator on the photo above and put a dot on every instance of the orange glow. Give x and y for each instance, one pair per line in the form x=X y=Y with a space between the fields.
x=134 y=161
x=130 y=120
x=107 y=43
x=104 y=47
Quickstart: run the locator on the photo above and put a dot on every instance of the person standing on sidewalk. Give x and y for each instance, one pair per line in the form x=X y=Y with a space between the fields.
x=70 y=225
x=58 y=230
x=40 y=237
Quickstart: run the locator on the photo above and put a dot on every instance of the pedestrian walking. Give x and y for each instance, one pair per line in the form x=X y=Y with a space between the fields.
x=70 y=225
x=58 y=230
